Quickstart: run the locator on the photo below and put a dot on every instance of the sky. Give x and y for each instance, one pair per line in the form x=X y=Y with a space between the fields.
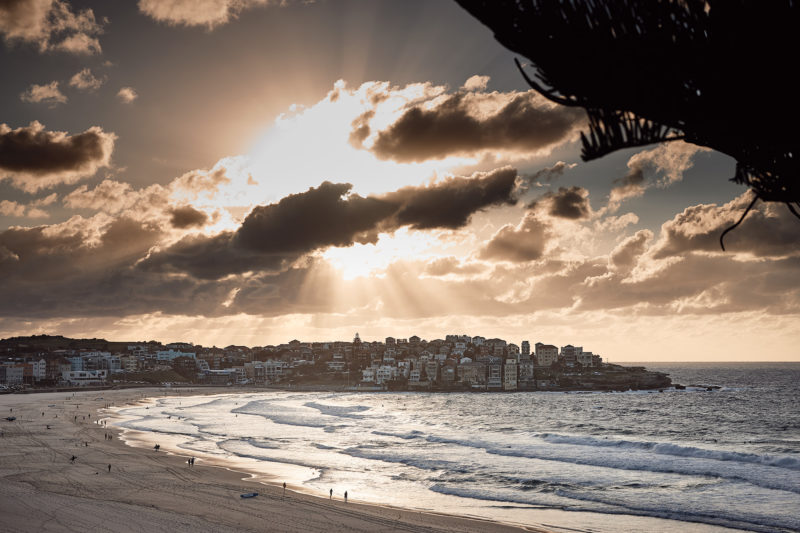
x=254 y=171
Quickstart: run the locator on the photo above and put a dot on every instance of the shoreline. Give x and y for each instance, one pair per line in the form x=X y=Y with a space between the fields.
x=43 y=490
x=516 y=515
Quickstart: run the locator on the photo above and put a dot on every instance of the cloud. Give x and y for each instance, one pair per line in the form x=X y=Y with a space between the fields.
x=451 y=203
x=11 y=209
x=122 y=266
x=30 y=210
x=476 y=83
x=51 y=25
x=468 y=123
x=127 y=95
x=82 y=267
x=548 y=174
x=667 y=160
x=624 y=257
x=209 y=13
x=274 y=236
x=187 y=216
x=444 y=266
x=33 y=158
x=112 y=196
x=768 y=230
x=524 y=242
x=48 y=94
x=571 y=203
x=86 y=81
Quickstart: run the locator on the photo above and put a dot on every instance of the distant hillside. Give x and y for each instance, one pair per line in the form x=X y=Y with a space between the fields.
x=59 y=342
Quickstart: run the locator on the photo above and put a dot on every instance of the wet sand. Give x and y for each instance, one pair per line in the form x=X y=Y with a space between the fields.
x=42 y=490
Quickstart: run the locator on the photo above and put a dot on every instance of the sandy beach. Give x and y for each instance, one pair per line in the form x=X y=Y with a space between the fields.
x=145 y=490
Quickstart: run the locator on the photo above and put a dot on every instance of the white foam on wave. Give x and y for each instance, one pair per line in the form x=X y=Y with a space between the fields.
x=668 y=448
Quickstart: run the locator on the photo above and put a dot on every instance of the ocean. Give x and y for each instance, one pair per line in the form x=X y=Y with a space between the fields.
x=651 y=461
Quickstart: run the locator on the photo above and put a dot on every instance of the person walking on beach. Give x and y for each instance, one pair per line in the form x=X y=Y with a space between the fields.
x=345 y=496
x=331 y=496
x=72 y=459
x=109 y=469
x=284 y=488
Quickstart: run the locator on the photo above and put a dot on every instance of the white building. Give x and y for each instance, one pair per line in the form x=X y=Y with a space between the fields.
x=169 y=355
x=39 y=370
x=11 y=374
x=85 y=377
x=385 y=373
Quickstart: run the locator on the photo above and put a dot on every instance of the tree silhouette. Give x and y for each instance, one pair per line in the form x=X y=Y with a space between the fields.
x=716 y=73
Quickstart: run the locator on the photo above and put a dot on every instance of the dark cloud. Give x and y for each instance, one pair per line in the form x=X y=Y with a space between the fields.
x=451 y=203
x=273 y=236
x=460 y=124
x=571 y=203
x=186 y=217
x=524 y=242
x=323 y=216
x=210 y=258
x=361 y=129
x=34 y=158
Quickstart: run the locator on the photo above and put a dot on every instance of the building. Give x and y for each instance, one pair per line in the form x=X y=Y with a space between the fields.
x=494 y=379
x=525 y=371
x=85 y=378
x=546 y=354
x=473 y=374
x=510 y=374
x=39 y=370
x=570 y=353
x=432 y=370
x=12 y=374
x=170 y=354
x=525 y=350
x=385 y=373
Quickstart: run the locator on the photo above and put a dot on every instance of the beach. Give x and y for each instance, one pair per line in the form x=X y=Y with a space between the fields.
x=42 y=489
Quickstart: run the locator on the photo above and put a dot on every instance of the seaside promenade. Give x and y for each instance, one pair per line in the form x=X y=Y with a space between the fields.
x=145 y=490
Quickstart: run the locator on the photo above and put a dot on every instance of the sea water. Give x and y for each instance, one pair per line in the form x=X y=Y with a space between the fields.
x=636 y=461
